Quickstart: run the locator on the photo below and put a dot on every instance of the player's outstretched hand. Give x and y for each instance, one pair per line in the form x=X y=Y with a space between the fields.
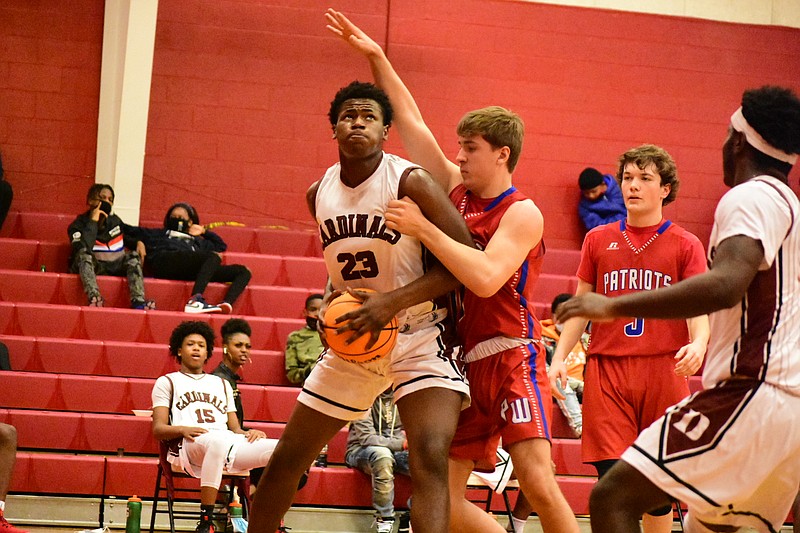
x=341 y=26
x=590 y=305
x=377 y=310
x=404 y=216
x=689 y=359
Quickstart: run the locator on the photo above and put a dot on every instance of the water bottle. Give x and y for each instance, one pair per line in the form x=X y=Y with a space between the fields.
x=322 y=458
x=43 y=268
x=134 y=520
x=237 y=520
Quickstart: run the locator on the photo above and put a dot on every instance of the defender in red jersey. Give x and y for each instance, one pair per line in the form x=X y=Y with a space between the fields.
x=729 y=451
x=506 y=369
x=631 y=370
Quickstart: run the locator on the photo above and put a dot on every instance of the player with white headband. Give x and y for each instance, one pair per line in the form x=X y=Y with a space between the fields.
x=730 y=451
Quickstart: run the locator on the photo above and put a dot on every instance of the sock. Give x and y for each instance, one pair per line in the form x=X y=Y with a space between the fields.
x=205 y=512
x=519 y=524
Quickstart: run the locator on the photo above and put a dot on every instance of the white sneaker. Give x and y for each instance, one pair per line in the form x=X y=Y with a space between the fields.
x=198 y=304
x=384 y=525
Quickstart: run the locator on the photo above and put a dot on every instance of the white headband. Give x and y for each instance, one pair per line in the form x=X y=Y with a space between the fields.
x=755 y=140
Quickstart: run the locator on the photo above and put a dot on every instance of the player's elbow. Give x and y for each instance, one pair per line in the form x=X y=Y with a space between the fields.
x=485 y=288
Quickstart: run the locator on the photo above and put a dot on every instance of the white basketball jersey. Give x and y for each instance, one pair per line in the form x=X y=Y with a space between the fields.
x=201 y=400
x=359 y=251
x=760 y=337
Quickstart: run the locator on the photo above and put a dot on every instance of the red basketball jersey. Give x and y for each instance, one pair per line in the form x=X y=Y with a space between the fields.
x=510 y=311
x=619 y=260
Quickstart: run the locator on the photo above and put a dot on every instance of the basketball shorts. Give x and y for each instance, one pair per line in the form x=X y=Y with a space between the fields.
x=346 y=390
x=621 y=397
x=510 y=400
x=730 y=452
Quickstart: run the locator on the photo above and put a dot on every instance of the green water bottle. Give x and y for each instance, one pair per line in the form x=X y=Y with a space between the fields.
x=238 y=522
x=134 y=520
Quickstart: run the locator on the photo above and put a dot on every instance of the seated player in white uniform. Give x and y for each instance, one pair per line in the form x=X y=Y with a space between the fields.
x=197 y=411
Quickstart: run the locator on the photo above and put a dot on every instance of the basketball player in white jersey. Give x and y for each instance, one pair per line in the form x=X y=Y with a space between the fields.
x=348 y=204
x=730 y=451
x=197 y=411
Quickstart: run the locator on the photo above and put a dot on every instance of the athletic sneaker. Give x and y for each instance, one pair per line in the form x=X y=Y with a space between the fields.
x=5 y=527
x=147 y=305
x=384 y=524
x=226 y=308
x=404 y=523
x=205 y=526
x=198 y=304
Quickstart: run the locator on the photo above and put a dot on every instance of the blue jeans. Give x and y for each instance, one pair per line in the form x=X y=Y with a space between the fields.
x=380 y=463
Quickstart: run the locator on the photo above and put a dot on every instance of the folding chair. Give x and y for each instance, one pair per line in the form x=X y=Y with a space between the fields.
x=166 y=489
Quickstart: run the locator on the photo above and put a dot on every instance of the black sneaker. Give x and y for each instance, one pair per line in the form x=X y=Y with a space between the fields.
x=404 y=522
x=205 y=526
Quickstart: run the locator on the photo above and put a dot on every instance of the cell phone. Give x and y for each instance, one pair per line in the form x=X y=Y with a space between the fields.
x=105 y=207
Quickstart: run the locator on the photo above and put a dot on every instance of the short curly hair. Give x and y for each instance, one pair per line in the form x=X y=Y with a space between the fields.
x=774 y=112
x=190 y=327
x=361 y=90
x=233 y=326
x=646 y=154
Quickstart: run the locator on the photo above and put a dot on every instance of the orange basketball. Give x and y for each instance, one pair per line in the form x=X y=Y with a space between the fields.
x=356 y=351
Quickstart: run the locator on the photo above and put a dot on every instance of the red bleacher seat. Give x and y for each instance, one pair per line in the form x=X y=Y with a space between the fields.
x=35 y=226
x=71 y=356
x=551 y=285
x=287 y=242
x=346 y=487
x=8 y=314
x=238 y=238
x=567 y=457
x=49 y=321
x=48 y=429
x=130 y=475
x=27 y=286
x=57 y=472
x=278 y=302
x=140 y=393
x=100 y=394
x=126 y=359
x=22 y=353
x=30 y=390
x=266 y=269
x=308 y=272
x=54 y=256
x=119 y=434
x=265 y=368
x=268 y=403
x=126 y=325
x=18 y=254
x=561 y=261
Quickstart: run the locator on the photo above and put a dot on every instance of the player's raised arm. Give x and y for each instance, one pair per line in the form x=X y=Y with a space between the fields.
x=417 y=138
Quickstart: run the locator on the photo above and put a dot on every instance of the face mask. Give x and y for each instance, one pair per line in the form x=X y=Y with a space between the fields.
x=311 y=322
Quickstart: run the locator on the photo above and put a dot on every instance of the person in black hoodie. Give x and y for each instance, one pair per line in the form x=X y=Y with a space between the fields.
x=184 y=250
x=103 y=244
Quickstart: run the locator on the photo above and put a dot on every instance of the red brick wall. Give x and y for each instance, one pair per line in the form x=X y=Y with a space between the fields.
x=241 y=88
x=49 y=85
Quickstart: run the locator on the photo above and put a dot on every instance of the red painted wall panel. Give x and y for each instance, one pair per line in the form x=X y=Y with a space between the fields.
x=241 y=88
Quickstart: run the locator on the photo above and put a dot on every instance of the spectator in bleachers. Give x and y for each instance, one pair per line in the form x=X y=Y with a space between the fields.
x=576 y=360
x=184 y=250
x=102 y=244
x=8 y=456
x=304 y=345
x=197 y=413
x=377 y=446
x=6 y=195
x=601 y=200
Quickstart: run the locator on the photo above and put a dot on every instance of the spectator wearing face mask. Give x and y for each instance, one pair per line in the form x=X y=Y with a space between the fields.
x=304 y=345
x=184 y=250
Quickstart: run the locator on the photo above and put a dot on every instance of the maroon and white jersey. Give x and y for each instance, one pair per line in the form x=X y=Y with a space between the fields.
x=617 y=259
x=760 y=337
x=510 y=311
